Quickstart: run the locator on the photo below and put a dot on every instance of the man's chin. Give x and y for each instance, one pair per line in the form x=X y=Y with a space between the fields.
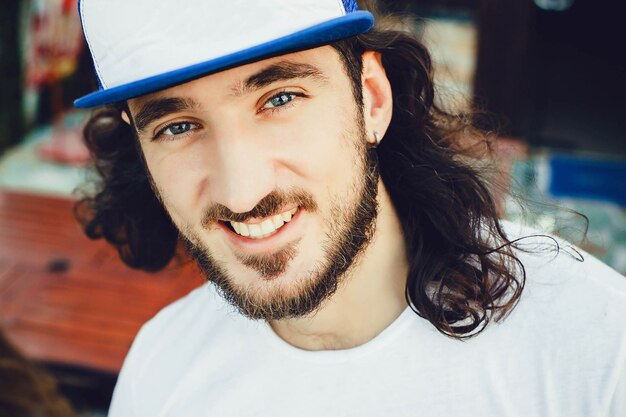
x=288 y=294
x=269 y=266
x=280 y=298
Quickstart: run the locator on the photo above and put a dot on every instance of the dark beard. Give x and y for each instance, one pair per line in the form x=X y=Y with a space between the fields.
x=346 y=240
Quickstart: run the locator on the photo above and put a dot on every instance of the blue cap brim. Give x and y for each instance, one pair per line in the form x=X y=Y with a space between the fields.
x=333 y=30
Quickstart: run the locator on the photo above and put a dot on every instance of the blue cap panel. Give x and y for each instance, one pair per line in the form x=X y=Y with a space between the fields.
x=350 y=6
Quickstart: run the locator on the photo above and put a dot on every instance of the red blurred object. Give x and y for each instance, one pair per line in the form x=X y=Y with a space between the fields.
x=69 y=300
x=53 y=41
x=65 y=147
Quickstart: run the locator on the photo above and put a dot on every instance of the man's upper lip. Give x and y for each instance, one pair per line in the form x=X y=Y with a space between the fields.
x=257 y=220
x=266 y=228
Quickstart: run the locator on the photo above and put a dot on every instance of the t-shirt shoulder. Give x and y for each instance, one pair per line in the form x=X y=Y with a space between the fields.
x=569 y=296
x=172 y=342
x=549 y=259
x=201 y=307
x=184 y=325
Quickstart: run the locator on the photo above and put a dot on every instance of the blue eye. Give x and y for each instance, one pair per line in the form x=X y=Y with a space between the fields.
x=279 y=100
x=177 y=128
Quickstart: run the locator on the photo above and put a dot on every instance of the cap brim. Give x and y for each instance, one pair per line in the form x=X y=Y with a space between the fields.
x=340 y=28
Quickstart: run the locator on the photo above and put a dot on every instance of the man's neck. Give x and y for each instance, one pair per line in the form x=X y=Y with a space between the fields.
x=369 y=298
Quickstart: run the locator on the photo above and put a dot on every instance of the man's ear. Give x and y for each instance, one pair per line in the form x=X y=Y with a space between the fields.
x=125 y=117
x=377 y=97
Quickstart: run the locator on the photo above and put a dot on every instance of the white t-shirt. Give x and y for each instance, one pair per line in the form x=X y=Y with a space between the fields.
x=561 y=352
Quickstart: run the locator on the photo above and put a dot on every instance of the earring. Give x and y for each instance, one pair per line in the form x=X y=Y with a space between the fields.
x=377 y=138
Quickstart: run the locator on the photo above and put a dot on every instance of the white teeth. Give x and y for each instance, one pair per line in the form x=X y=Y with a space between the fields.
x=265 y=228
x=255 y=230
x=277 y=221
x=287 y=215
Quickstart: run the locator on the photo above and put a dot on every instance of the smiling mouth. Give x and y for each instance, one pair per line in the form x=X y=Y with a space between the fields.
x=261 y=230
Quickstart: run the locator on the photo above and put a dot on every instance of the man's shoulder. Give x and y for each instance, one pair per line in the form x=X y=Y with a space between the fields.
x=567 y=290
x=203 y=308
x=191 y=335
x=551 y=262
x=185 y=327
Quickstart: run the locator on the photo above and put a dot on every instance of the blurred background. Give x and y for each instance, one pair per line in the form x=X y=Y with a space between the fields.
x=550 y=73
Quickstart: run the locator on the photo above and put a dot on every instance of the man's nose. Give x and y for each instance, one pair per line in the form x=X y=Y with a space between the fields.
x=244 y=172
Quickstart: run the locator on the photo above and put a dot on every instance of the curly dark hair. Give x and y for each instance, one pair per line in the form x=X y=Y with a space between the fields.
x=26 y=389
x=463 y=271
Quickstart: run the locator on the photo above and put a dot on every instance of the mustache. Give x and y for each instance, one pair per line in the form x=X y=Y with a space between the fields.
x=268 y=206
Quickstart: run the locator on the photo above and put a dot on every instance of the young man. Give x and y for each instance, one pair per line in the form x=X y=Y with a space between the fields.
x=348 y=240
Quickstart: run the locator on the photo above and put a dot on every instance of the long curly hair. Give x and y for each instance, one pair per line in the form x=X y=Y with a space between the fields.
x=463 y=271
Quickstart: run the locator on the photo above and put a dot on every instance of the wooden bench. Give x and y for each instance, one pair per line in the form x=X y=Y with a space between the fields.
x=65 y=299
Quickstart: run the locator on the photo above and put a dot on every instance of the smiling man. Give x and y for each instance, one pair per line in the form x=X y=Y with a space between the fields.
x=348 y=238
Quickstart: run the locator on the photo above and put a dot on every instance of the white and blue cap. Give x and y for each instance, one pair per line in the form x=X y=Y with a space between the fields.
x=142 y=46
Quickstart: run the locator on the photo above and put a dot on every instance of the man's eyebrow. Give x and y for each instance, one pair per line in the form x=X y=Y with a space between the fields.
x=154 y=109
x=280 y=71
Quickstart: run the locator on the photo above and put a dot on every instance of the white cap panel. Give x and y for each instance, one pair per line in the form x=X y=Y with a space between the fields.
x=142 y=38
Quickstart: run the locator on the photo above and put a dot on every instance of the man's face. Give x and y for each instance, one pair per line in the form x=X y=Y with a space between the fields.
x=264 y=170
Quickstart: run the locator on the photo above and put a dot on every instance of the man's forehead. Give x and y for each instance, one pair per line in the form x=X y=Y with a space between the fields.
x=321 y=63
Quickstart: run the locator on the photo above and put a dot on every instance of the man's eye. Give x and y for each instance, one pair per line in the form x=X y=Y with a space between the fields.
x=279 y=100
x=177 y=129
